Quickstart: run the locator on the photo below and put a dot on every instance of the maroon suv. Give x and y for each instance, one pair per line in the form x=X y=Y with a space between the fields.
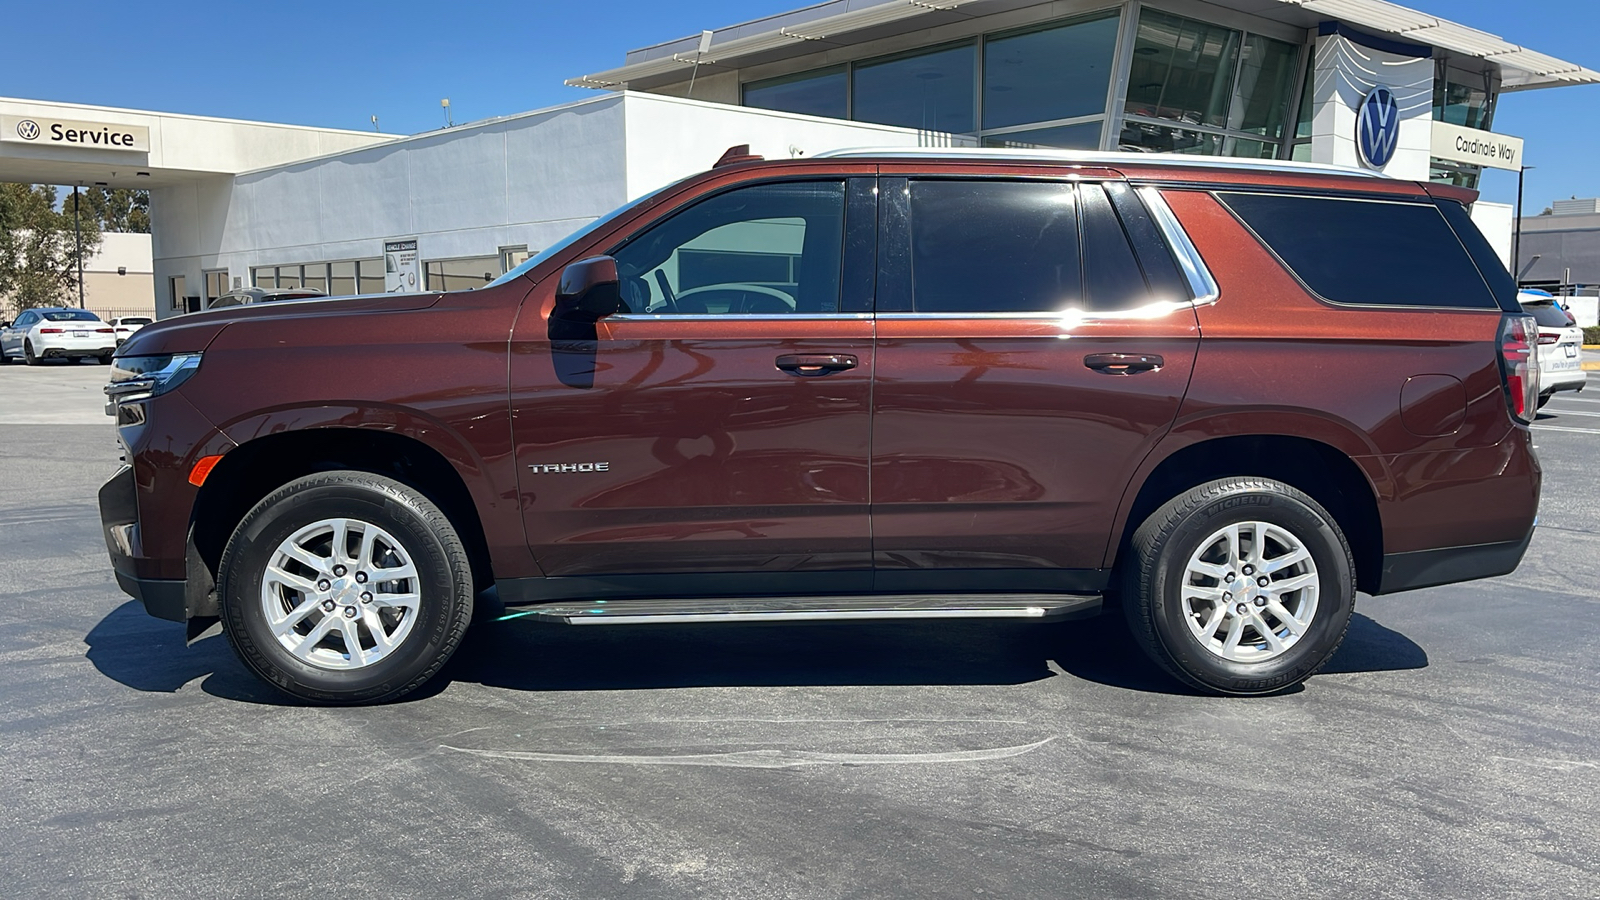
x=1224 y=396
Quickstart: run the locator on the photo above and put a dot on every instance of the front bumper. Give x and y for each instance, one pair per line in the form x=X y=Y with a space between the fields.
x=174 y=599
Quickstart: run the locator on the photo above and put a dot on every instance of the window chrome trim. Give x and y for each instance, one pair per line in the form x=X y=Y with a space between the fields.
x=736 y=317
x=1201 y=283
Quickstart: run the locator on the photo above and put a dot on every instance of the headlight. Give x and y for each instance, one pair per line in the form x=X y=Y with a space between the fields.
x=142 y=377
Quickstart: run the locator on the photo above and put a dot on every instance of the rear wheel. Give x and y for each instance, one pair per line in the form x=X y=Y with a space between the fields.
x=27 y=354
x=345 y=587
x=1240 y=586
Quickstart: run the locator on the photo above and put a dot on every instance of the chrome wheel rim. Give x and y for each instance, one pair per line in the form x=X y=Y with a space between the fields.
x=1250 y=592
x=341 y=594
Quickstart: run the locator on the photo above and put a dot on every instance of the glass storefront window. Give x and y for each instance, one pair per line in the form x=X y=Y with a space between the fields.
x=1148 y=138
x=1462 y=98
x=1266 y=79
x=288 y=276
x=1458 y=174
x=1060 y=72
x=369 y=274
x=341 y=279
x=1082 y=136
x=264 y=277
x=316 y=277
x=820 y=93
x=931 y=90
x=460 y=274
x=1182 y=69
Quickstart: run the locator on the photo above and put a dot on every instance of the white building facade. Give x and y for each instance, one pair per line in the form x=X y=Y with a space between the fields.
x=1349 y=82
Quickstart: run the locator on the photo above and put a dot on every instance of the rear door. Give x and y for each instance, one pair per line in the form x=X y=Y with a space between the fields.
x=1035 y=340
x=719 y=425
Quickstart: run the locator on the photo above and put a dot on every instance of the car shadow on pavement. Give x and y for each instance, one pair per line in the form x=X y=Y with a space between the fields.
x=524 y=655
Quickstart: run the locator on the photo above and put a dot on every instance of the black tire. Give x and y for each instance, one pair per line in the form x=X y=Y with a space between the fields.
x=4 y=359
x=105 y=359
x=27 y=354
x=1157 y=568
x=444 y=584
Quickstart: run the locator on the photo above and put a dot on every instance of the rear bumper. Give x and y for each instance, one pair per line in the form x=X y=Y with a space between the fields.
x=1448 y=565
x=1563 y=381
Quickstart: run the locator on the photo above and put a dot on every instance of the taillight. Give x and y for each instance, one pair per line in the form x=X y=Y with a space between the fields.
x=109 y=331
x=1519 y=365
x=51 y=330
x=1549 y=339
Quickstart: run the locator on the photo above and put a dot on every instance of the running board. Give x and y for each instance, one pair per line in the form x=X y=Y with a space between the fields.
x=795 y=609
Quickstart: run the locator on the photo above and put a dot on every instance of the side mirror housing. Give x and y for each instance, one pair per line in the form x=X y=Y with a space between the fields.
x=589 y=290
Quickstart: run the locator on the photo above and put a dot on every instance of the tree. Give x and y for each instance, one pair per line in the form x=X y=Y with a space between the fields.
x=38 y=253
x=119 y=209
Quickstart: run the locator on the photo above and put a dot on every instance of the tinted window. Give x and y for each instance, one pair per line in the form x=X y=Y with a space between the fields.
x=1547 y=315
x=1111 y=276
x=227 y=300
x=823 y=93
x=1501 y=284
x=1155 y=256
x=763 y=249
x=135 y=320
x=70 y=315
x=994 y=246
x=1370 y=252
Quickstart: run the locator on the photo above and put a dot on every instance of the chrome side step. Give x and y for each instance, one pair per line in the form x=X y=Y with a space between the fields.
x=793 y=609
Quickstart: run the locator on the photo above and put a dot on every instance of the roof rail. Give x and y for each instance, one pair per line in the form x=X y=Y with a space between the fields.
x=1098 y=157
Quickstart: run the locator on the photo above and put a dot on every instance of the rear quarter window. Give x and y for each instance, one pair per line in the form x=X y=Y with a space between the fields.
x=1366 y=252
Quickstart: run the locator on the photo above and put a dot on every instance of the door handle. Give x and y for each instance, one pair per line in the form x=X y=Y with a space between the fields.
x=810 y=365
x=1123 y=363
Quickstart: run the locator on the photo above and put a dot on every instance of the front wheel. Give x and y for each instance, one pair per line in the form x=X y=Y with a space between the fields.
x=345 y=587
x=1240 y=586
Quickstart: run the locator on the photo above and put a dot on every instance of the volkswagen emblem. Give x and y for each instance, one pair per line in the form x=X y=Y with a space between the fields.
x=1378 y=127
x=28 y=130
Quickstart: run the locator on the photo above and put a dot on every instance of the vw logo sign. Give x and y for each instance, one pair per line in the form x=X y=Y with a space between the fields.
x=28 y=130
x=1378 y=127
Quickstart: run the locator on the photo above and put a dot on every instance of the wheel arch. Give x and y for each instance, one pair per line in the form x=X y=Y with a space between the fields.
x=257 y=467
x=1328 y=474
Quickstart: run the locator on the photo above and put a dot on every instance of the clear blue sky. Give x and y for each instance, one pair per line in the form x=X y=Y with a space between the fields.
x=338 y=62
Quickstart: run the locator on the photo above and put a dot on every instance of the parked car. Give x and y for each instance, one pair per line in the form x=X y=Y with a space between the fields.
x=125 y=326
x=1560 y=345
x=875 y=384
x=56 y=333
x=247 y=296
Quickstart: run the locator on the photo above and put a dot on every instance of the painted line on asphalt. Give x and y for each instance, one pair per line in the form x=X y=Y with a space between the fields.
x=1562 y=428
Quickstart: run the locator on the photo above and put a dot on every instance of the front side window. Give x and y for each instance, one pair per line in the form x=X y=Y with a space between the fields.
x=1366 y=251
x=757 y=250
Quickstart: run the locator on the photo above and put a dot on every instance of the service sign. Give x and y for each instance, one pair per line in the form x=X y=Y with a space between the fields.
x=42 y=131
x=1455 y=143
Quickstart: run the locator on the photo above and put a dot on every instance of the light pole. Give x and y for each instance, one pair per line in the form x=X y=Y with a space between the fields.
x=1516 y=233
x=77 y=242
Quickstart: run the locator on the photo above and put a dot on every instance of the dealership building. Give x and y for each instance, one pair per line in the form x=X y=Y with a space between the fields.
x=1362 y=83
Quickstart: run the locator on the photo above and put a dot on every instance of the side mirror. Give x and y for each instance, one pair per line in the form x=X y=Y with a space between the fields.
x=589 y=290
x=5 y=324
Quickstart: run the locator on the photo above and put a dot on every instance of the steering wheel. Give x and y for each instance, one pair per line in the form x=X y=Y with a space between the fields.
x=666 y=291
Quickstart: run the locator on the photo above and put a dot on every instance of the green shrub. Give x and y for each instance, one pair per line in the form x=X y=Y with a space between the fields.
x=1591 y=335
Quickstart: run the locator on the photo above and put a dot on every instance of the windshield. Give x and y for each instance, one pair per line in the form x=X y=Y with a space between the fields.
x=70 y=315
x=573 y=238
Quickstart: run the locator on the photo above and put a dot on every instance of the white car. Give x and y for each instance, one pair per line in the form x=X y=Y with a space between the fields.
x=127 y=325
x=1560 y=345
x=39 y=334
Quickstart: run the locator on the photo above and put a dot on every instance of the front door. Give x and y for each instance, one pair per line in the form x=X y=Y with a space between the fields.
x=1027 y=362
x=719 y=425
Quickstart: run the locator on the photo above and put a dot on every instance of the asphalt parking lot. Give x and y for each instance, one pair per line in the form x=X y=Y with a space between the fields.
x=1452 y=748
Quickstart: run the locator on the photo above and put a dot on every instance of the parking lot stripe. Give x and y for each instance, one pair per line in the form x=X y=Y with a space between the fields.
x=1563 y=428
x=1568 y=412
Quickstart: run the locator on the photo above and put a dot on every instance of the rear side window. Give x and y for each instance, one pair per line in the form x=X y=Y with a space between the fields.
x=994 y=246
x=1367 y=252
x=1501 y=284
